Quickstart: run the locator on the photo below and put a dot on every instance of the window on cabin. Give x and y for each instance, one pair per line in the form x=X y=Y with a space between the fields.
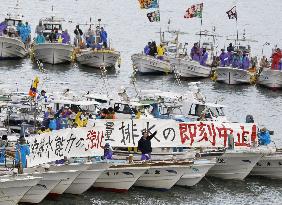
x=216 y=111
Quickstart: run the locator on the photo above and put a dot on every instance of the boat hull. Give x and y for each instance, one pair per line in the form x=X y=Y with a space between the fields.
x=189 y=69
x=234 y=165
x=269 y=166
x=119 y=179
x=232 y=76
x=161 y=177
x=13 y=190
x=194 y=174
x=53 y=53
x=148 y=64
x=12 y=48
x=98 y=58
x=270 y=78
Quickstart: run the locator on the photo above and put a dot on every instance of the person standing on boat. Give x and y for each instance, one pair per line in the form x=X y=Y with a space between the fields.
x=22 y=150
x=230 y=48
x=204 y=57
x=39 y=28
x=144 y=144
x=161 y=52
x=104 y=37
x=40 y=39
x=66 y=37
x=276 y=57
x=147 y=48
x=78 y=35
x=52 y=36
x=194 y=50
x=223 y=58
x=153 y=49
x=245 y=62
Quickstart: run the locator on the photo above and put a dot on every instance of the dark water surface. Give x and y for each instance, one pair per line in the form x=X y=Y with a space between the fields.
x=129 y=31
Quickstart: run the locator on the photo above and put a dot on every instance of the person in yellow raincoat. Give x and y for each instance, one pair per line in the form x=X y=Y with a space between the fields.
x=78 y=120
x=161 y=51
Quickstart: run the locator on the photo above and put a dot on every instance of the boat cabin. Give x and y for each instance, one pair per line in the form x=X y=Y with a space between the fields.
x=50 y=24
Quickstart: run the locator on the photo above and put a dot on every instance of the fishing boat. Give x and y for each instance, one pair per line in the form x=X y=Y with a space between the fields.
x=52 y=51
x=13 y=188
x=120 y=177
x=270 y=78
x=145 y=64
x=86 y=179
x=162 y=175
x=74 y=170
x=95 y=53
x=233 y=164
x=11 y=44
x=50 y=179
x=234 y=73
x=269 y=166
x=196 y=172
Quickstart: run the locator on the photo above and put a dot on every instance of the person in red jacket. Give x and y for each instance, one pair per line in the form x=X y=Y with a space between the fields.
x=276 y=57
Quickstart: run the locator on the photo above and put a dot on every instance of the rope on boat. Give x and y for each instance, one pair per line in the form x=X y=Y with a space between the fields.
x=210 y=183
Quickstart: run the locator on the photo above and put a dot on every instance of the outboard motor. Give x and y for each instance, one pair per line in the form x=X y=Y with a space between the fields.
x=249 y=119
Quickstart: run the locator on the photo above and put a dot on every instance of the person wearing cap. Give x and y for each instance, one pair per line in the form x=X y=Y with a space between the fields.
x=22 y=150
x=144 y=145
x=104 y=36
x=42 y=96
x=223 y=58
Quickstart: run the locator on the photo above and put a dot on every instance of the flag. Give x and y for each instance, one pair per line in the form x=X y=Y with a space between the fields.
x=149 y=4
x=194 y=11
x=154 y=16
x=33 y=87
x=232 y=13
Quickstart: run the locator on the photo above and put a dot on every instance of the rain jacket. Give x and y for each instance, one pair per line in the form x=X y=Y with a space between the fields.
x=24 y=150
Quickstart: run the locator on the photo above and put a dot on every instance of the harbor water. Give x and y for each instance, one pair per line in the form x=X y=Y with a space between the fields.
x=129 y=30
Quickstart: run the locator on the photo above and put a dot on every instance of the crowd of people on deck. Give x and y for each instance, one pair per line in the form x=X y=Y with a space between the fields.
x=95 y=39
x=151 y=49
x=199 y=54
x=55 y=36
x=21 y=30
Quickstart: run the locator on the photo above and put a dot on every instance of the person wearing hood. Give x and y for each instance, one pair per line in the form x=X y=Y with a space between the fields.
x=22 y=151
x=66 y=37
x=39 y=28
x=223 y=58
x=245 y=62
x=204 y=57
x=40 y=39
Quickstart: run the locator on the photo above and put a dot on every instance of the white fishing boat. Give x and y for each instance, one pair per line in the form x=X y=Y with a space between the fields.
x=270 y=78
x=162 y=175
x=50 y=179
x=86 y=179
x=194 y=174
x=52 y=52
x=187 y=68
x=98 y=52
x=234 y=164
x=269 y=166
x=74 y=170
x=233 y=76
x=119 y=178
x=13 y=188
x=11 y=45
x=146 y=64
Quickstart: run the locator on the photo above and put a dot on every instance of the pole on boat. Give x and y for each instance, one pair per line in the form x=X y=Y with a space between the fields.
x=201 y=30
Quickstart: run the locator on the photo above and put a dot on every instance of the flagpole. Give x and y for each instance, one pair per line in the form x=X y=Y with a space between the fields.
x=201 y=31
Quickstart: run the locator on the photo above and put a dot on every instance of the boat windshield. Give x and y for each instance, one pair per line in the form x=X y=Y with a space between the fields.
x=11 y=22
x=216 y=111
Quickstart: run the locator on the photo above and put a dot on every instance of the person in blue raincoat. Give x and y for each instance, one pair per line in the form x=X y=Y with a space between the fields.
x=40 y=39
x=24 y=150
x=264 y=137
x=204 y=57
x=223 y=58
x=245 y=61
x=104 y=37
x=19 y=27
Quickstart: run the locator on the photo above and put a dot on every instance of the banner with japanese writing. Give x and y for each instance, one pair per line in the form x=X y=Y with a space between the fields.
x=52 y=146
x=126 y=133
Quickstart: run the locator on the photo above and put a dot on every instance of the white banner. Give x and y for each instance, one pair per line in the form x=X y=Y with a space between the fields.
x=52 y=146
x=84 y=142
